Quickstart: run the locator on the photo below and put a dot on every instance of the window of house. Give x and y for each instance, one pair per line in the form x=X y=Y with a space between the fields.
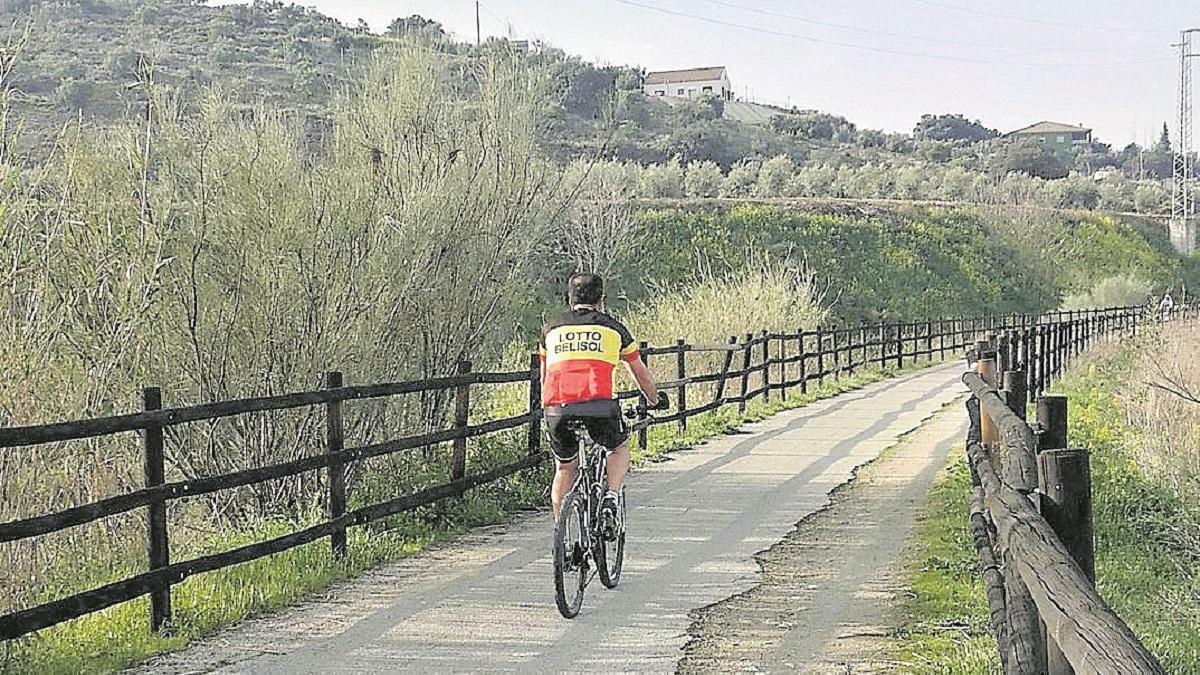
x=1061 y=139
x=707 y=90
x=679 y=92
x=660 y=92
x=691 y=92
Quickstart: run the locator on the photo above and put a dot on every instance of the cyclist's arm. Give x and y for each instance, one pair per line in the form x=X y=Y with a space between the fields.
x=645 y=380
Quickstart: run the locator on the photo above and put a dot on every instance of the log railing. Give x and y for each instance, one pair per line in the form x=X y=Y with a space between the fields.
x=1031 y=503
x=741 y=370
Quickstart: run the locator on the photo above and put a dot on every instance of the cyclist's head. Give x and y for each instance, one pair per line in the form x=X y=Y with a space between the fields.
x=585 y=289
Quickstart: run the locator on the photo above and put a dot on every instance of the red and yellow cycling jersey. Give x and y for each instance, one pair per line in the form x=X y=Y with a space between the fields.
x=581 y=350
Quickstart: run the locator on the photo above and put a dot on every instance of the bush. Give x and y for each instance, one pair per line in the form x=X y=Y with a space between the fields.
x=703 y=179
x=1150 y=197
x=1116 y=291
x=773 y=176
x=661 y=180
x=740 y=180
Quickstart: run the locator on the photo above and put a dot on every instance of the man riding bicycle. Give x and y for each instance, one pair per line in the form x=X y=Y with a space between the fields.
x=580 y=351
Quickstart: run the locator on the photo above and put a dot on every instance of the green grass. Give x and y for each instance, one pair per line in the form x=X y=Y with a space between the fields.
x=111 y=639
x=1144 y=570
x=944 y=623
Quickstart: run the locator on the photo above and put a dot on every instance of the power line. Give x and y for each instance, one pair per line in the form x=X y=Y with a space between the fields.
x=870 y=48
x=924 y=38
x=1040 y=22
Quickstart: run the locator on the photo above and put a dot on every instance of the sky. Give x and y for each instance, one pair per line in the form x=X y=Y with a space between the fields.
x=1107 y=64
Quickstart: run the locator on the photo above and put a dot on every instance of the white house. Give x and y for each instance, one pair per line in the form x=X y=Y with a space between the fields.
x=691 y=83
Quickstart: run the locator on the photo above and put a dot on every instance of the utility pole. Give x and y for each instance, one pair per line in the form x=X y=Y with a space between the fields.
x=1183 y=209
x=478 y=35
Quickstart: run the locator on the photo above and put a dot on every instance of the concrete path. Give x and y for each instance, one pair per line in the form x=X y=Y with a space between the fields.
x=485 y=603
x=826 y=599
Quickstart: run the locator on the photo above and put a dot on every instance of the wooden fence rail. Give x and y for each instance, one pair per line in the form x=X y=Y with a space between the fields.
x=1031 y=503
x=754 y=366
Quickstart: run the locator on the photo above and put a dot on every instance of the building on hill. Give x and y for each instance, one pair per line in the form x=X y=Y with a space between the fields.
x=1054 y=135
x=690 y=83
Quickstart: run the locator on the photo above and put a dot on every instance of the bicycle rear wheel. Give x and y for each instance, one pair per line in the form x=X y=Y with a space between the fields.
x=610 y=553
x=570 y=557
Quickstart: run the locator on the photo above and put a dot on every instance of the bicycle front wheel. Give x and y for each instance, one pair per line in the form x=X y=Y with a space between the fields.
x=570 y=557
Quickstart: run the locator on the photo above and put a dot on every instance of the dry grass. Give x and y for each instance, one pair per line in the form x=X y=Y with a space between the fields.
x=1163 y=402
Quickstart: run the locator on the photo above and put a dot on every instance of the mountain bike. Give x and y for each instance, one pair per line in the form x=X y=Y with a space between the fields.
x=581 y=537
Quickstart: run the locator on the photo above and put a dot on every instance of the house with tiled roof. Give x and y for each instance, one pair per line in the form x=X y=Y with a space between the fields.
x=1054 y=135
x=689 y=83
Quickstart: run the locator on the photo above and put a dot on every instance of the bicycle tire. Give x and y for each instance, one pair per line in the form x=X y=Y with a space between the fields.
x=609 y=564
x=571 y=510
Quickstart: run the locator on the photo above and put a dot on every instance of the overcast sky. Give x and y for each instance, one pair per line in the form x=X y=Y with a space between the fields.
x=1107 y=64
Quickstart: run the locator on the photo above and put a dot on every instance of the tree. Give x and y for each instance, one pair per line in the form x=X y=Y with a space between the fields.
x=416 y=25
x=773 y=176
x=1030 y=157
x=952 y=128
x=1160 y=160
x=814 y=125
x=703 y=179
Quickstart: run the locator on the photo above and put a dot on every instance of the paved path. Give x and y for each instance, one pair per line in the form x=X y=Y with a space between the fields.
x=485 y=603
x=826 y=601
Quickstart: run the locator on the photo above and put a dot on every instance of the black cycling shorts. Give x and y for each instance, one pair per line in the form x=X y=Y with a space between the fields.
x=601 y=419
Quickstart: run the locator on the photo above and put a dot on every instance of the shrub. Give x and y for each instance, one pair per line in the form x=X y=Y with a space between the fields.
x=661 y=180
x=773 y=176
x=1116 y=291
x=703 y=179
x=740 y=180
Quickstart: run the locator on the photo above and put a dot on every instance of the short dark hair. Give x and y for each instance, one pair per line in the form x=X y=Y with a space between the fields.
x=585 y=289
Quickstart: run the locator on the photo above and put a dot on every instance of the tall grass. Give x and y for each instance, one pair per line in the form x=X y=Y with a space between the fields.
x=1164 y=402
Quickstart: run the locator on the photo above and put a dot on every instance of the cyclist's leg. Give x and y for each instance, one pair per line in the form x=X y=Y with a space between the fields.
x=564 y=444
x=612 y=434
x=564 y=479
x=618 y=466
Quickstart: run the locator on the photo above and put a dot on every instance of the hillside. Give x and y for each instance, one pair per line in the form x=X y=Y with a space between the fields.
x=84 y=58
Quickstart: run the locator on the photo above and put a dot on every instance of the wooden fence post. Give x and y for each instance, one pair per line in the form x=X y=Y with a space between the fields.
x=929 y=341
x=747 y=361
x=766 y=366
x=534 y=438
x=803 y=374
x=681 y=375
x=942 y=339
x=158 y=546
x=335 y=441
x=1052 y=422
x=985 y=365
x=820 y=357
x=462 y=413
x=1065 y=483
x=899 y=346
x=1014 y=388
x=863 y=340
x=835 y=353
x=643 y=433
x=883 y=341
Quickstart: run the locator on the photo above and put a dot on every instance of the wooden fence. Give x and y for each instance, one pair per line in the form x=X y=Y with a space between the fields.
x=1031 y=515
x=746 y=367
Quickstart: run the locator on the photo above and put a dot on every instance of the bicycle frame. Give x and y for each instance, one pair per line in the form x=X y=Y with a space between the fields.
x=591 y=481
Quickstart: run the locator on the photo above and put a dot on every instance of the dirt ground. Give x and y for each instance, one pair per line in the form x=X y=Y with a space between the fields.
x=829 y=590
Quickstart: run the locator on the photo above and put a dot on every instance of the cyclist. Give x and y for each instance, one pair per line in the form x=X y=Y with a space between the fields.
x=1164 y=307
x=580 y=351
